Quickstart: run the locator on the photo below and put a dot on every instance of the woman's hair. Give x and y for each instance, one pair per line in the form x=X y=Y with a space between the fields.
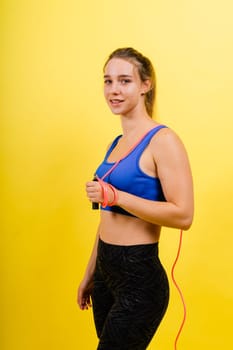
x=145 y=70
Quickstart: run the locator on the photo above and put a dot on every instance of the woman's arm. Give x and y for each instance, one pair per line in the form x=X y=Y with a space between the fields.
x=90 y=269
x=85 y=287
x=172 y=165
x=175 y=176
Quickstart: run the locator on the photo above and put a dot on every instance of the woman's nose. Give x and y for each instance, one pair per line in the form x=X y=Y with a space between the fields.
x=115 y=88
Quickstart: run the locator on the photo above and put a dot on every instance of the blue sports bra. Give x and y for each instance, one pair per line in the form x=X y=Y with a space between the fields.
x=128 y=176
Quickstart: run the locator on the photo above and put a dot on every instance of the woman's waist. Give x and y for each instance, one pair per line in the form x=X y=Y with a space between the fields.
x=134 y=252
x=124 y=230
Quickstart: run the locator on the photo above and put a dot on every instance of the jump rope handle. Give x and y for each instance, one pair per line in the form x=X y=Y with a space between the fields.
x=95 y=206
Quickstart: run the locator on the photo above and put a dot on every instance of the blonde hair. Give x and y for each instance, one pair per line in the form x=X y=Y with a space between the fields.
x=145 y=71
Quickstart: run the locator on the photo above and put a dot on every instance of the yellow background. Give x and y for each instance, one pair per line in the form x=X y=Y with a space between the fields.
x=54 y=130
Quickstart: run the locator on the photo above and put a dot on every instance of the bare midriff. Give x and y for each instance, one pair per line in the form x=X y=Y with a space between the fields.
x=127 y=230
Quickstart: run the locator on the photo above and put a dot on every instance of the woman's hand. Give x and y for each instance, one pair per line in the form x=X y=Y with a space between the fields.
x=95 y=192
x=84 y=294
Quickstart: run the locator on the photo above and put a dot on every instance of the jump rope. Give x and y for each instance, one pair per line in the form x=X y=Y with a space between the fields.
x=104 y=187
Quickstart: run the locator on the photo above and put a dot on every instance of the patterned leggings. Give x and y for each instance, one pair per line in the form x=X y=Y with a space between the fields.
x=130 y=295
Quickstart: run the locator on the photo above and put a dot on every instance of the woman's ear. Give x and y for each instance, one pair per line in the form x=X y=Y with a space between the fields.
x=146 y=86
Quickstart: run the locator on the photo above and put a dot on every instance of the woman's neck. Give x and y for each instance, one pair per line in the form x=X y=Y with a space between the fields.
x=136 y=126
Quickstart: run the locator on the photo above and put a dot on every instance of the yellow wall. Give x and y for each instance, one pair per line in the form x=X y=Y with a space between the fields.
x=55 y=127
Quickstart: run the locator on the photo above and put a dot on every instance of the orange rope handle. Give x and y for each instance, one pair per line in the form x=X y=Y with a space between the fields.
x=179 y=290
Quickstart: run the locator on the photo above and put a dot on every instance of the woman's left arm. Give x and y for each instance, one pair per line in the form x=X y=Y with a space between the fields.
x=174 y=172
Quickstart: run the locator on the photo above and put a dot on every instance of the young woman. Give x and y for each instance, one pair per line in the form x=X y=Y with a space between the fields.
x=149 y=188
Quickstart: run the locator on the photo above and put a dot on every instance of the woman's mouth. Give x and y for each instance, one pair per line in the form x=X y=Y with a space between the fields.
x=116 y=101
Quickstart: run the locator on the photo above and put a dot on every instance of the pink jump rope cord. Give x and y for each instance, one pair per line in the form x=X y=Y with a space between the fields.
x=179 y=290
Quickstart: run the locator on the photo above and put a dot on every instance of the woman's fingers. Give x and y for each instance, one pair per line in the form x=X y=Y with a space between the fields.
x=83 y=300
x=94 y=192
x=84 y=294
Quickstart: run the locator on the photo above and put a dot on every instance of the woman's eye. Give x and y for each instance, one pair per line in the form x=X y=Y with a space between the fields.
x=107 y=81
x=125 y=81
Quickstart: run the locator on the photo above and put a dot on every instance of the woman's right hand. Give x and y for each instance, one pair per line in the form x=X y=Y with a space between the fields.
x=94 y=192
x=84 y=294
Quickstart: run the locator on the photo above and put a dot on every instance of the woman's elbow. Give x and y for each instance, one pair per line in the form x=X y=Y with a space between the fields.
x=186 y=221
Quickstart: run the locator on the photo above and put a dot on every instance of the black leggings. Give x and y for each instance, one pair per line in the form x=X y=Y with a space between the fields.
x=130 y=295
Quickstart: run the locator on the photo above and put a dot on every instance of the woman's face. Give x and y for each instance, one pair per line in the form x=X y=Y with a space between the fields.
x=123 y=88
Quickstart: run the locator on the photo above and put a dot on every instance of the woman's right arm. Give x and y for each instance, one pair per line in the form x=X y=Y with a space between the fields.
x=86 y=285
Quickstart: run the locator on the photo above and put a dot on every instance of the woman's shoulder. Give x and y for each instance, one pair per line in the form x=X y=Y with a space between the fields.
x=166 y=140
x=165 y=134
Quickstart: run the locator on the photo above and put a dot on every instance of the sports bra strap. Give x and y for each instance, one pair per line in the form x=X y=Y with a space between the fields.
x=113 y=145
